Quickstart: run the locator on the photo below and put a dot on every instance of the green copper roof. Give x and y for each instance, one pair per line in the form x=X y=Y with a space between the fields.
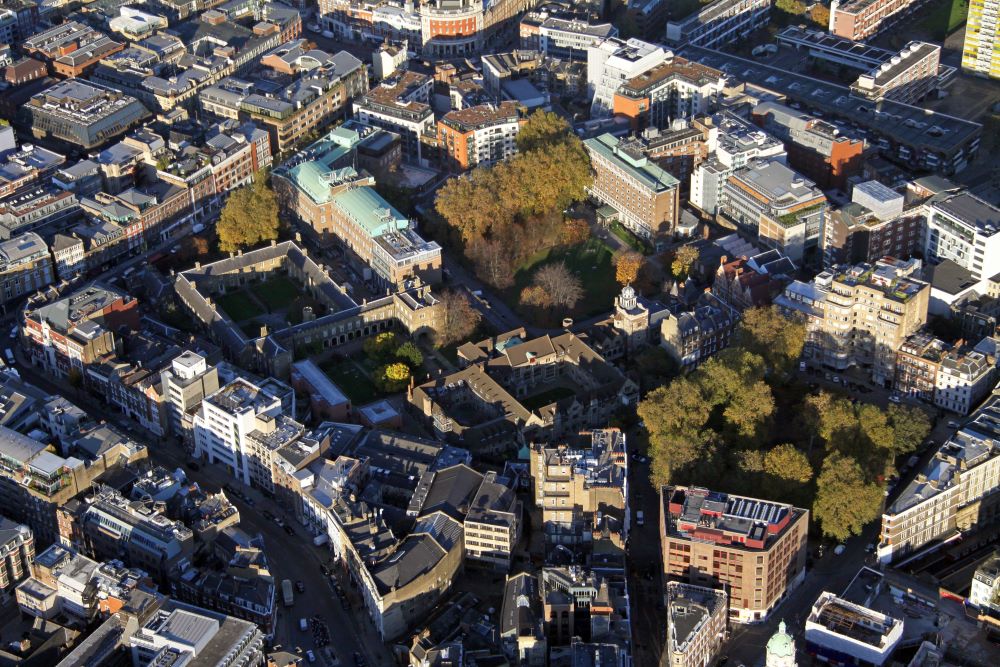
x=642 y=168
x=367 y=208
x=781 y=644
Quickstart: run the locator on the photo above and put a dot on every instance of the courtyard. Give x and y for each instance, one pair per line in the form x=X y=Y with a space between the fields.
x=589 y=261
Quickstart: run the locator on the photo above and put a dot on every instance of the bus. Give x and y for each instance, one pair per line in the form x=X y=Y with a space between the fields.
x=286 y=592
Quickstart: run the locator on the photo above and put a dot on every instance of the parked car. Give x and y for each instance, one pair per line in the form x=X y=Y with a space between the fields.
x=300 y=587
x=952 y=423
x=310 y=656
x=289 y=530
x=894 y=398
x=839 y=549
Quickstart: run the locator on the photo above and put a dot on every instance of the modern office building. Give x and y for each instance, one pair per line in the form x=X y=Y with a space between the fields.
x=847 y=633
x=493 y=524
x=81 y=114
x=755 y=549
x=860 y=315
x=954 y=492
x=401 y=104
x=25 y=266
x=697 y=624
x=873 y=225
x=979 y=55
x=644 y=196
x=570 y=38
x=614 y=61
x=965 y=229
x=183 y=385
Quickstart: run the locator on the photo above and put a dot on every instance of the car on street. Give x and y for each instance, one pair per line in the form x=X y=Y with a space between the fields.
x=289 y=529
x=952 y=423
x=839 y=549
x=310 y=656
x=894 y=398
x=13 y=332
x=300 y=587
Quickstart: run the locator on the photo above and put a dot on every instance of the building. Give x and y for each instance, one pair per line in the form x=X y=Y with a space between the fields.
x=71 y=49
x=908 y=77
x=964 y=377
x=860 y=19
x=25 y=266
x=26 y=165
x=178 y=633
x=326 y=400
x=954 y=492
x=981 y=35
x=965 y=229
x=874 y=225
x=336 y=205
x=69 y=333
x=580 y=601
x=697 y=624
x=17 y=552
x=780 y=650
x=183 y=385
x=734 y=142
x=401 y=104
x=674 y=90
x=815 y=147
x=719 y=23
x=860 y=315
x=755 y=549
x=613 y=62
x=645 y=197
x=522 y=625
x=479 y=135
x=776 y=205
x=493 y=524
x=848 y=633
x=985 y=590
x=570 y=38
x=691 y=336
x=580 y=487
x=81 y=114
x=512 y=390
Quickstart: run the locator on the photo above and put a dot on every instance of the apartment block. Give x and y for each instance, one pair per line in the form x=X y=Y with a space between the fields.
x=698 y=623
x=860 y=19
x=25 y=266
x=401 y=104
x=954 y=492
x=719 y=23
x=691 y=336
x=479 y=135
x=860 y=315
x=965 y=229
x=755 y=549
x=815 y=148
x=615 y=61
x=645 y=197
x=570 y=38
x=337 y=205
x=981 y=36
x=873 y=225
x=674 y=90
x=70 y=332
x=25 y=165
x=183 y=385
x=908 y=77
x=17 y=552
x=579 y=487
x=777 y=205
x=493 y=524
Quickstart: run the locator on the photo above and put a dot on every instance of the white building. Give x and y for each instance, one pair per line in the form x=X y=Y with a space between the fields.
x=613 y=62
x=226 y=418
x=836 y=628
x=780 y=650
x=949 y=494
x=732 y=143
x=985 y=591
x=963 y=380
x=180 y=634
x=719 y=23
x=965 y=229
x=562 y=38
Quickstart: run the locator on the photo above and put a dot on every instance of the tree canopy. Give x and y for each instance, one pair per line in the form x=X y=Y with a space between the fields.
x=627 y=265
x=459 y=321
x=777 y=339
x=249 y=217
x=845 y=502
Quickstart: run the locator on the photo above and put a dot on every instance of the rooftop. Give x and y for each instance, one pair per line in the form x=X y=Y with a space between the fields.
x=735 y=521
x=638 y=166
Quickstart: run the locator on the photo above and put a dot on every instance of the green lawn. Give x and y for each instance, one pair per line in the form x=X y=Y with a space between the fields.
x=239 y=306
x=630 y=239
x=945 y=16
x=278 y=292
x=352 y=381
x=590 y=261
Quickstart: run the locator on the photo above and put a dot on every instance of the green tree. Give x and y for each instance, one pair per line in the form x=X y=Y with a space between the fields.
x=411 y=354
x=684 y=259
x=675 y=417
x=910 y=427
x=381 y=347
x=776 y=338
x=543 y=129
x=655 y=367
x=845 y=501
x=787 y=473
x=249 y=217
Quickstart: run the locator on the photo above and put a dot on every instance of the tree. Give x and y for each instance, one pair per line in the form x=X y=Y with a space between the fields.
x=535 y=297
x=656 y=367
x=787 y=462
x=562 y=286
x=411 y=354
x=458 y=321
x=793 y=7
x=910 y=427
x=684 y=259
x=249 y=217
x=542 y=130
x=675 y=416
x=776 y=338
x=574 y=231
x=199 y=245
x=845 y=501
x=392 y=377
x=627 y=265
x=820 y=14
x=381 y=347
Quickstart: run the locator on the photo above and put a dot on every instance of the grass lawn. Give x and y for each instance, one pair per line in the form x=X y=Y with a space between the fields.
x=278 y=292
x=239 y=306
x=590 y=261
x=944 y=16
x=630 y=239
x=546 y=397
x=352 y=381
